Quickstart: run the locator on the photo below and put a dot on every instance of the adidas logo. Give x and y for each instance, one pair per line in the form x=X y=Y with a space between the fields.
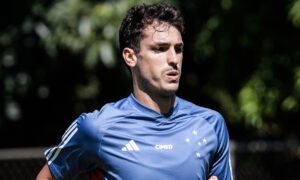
x=131 y=146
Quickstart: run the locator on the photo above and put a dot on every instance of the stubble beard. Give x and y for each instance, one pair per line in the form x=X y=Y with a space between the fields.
x=148 y=88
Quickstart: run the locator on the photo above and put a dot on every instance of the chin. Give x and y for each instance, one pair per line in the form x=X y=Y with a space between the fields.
x=169 y=91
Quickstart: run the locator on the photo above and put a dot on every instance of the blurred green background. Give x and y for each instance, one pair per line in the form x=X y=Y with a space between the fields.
x=60 y=58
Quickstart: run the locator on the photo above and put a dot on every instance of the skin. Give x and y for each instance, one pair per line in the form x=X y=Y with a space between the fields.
x=45 y=174
x=156 y=72
x=156 y=69
x=213 y=178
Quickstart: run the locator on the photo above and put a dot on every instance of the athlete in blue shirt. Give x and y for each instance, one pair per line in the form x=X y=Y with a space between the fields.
x=152 y=134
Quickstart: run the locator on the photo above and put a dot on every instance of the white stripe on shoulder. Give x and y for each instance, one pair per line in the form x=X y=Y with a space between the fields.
x=69 y=132
x=70 y=127
x=49 y=153
x=62 y=146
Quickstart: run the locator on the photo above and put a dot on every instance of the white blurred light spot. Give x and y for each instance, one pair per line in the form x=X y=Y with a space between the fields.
x=42 y=30
x=84 y=27
x=8 y=60
x=13 y=111
x=106 y=54
x=109 y=31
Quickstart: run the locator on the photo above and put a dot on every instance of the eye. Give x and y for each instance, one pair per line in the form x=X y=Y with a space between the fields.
x=178 y=49
x=160 y=49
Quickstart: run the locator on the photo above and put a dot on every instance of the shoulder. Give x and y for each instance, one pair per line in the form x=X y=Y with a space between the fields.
x=92 y=122
x=211 y=116
x=215 y=120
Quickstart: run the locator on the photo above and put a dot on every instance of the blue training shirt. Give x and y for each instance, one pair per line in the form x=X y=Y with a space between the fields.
x=127 y=140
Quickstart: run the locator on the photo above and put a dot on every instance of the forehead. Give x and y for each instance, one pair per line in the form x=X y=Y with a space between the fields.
x=161 y=32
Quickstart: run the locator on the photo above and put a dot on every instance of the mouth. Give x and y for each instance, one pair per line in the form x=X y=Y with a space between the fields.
x=172 y=75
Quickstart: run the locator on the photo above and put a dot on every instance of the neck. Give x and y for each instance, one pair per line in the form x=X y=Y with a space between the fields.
x=161 y=104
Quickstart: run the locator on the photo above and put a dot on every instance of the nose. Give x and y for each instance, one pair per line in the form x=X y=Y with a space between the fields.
x=173 y=57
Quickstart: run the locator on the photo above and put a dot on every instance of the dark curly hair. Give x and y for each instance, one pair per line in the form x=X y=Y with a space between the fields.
x=139 y=17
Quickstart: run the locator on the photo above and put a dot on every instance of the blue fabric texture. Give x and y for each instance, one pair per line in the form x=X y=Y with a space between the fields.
x=132 y=142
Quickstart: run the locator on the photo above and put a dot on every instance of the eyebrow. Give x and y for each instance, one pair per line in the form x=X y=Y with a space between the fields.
x=167 y=44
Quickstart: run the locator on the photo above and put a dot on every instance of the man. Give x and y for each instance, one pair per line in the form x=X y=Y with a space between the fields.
x=152 y=134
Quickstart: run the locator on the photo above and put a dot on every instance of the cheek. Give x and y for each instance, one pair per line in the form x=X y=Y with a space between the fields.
x=154 y=70
x=151 y=65
x=148 y=69
x=180 y=57
x=154 y=63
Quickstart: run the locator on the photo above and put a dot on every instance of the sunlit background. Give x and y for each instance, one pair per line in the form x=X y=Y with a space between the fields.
x=60 y=58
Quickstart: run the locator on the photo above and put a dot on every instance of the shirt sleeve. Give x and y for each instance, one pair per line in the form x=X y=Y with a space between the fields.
x=221 y=166
x=77 y=151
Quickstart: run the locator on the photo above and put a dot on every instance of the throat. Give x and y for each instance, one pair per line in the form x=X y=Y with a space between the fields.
x=161 y=104
x=165 y=106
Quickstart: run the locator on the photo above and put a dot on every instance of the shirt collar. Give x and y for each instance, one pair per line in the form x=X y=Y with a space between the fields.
x=141 y=107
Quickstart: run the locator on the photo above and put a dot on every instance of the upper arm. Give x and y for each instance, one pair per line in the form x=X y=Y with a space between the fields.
x=77 y=151
x=221 y=166
x=45 y=174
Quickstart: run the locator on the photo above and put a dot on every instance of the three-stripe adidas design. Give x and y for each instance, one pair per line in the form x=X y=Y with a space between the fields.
x=51 y=154
x=131 y=146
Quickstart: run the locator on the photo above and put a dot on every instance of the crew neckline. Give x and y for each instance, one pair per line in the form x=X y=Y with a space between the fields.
x=143 y=108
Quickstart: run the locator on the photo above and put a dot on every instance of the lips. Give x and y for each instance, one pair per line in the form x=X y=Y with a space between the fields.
x=172 y=75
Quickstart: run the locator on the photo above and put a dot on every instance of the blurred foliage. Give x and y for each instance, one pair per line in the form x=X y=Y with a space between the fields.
x=87 y=27
x=60 y=58
x=247 y=60
x=295 y=13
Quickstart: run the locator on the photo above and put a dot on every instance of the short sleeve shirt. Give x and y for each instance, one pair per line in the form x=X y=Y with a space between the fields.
x=127 y=140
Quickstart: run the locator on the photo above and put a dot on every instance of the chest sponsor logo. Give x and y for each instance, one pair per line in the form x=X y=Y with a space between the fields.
x=164 y=146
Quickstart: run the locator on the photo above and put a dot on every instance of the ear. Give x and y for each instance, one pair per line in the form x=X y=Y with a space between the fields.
x=129 y=57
